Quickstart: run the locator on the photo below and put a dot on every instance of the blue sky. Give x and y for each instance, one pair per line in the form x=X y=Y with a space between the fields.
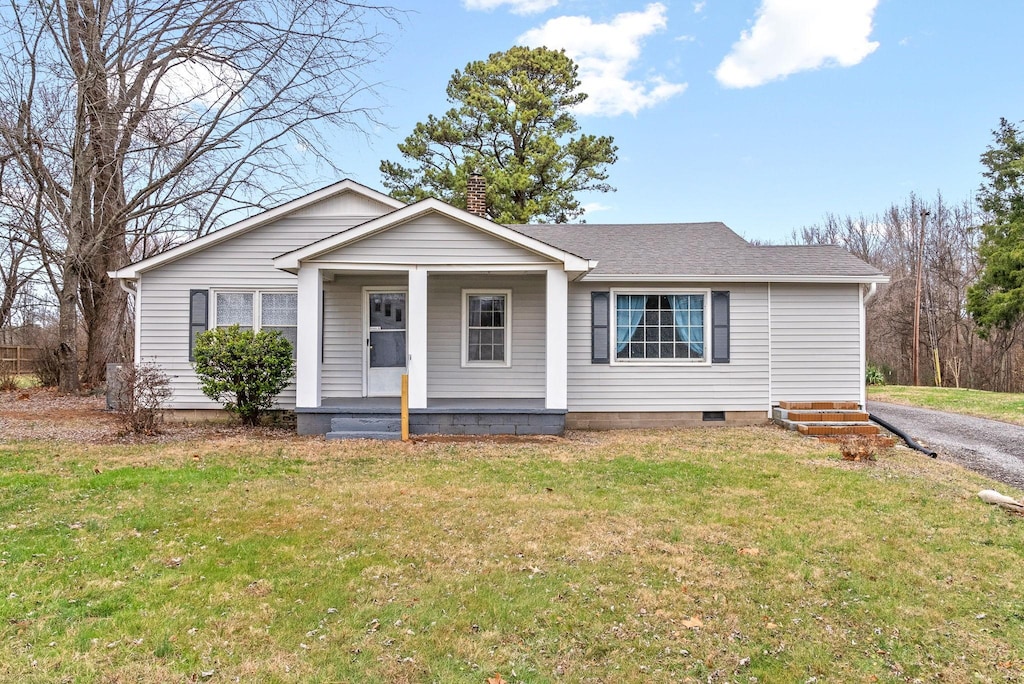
x=764 y=114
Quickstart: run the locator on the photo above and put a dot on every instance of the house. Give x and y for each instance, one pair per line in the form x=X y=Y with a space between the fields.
x=509 y=329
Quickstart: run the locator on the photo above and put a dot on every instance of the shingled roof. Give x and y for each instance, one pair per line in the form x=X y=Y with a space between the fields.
x=693 y=250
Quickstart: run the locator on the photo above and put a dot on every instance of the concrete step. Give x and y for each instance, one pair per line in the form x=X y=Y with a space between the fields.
x=366 y=423
x=363 y=434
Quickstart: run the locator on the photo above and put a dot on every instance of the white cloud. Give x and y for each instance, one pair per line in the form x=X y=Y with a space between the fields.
x=698 y=7
x=605 y=54
x=797 y=35
x=515 y=6
x=592 y=207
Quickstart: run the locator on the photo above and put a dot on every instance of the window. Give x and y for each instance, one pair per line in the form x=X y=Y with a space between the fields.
x=486 y=333
x=660 y=326
x=256 y=310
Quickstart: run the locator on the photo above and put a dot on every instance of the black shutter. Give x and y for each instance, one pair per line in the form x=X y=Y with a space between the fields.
x=198 y=316
x=599 y=314
x=719 y=327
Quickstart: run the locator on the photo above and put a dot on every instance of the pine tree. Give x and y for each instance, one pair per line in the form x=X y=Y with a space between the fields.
x=513 y=122
x=997 y=299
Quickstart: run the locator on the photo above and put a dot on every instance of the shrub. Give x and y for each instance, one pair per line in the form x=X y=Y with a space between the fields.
x=242 y=369
x=8 y=378
x=874 y=375
x=140 y=391
x=48 y=367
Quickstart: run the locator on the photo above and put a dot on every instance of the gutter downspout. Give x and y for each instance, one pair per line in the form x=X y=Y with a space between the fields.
x=872 y=291
x=124 y=286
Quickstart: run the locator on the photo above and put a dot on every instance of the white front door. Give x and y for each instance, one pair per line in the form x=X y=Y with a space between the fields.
x=385 y=357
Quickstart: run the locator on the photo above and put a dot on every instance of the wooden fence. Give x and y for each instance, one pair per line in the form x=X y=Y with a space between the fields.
x=18 y=360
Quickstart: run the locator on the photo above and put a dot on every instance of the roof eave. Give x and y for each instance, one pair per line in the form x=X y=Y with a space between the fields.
x=133 y=271
x=291 y=261
x=732 y=278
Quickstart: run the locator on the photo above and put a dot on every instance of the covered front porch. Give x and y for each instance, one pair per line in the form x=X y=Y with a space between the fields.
x=484 y=349
x=474 y=313
x=380 y=417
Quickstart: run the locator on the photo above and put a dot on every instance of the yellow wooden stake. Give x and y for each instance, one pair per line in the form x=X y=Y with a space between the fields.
x=405 y=407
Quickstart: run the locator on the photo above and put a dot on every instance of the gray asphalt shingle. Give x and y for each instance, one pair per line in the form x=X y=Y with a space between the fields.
x=692 y=249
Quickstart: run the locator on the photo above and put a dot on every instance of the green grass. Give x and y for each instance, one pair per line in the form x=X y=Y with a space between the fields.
x=664 y=556
x=20 y=382
x=995 y=405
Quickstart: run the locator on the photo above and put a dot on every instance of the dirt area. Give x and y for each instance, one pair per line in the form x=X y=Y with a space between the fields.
x=42 y=413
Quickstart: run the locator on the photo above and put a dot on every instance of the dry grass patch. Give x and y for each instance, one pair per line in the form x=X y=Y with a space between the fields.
x=677 y=555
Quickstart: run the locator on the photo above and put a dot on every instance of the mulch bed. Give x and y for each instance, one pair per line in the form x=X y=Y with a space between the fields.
x=43 y=413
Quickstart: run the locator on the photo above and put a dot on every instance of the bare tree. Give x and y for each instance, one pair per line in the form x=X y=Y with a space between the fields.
x=122 y=121
x=950 y=264
x=18 y=268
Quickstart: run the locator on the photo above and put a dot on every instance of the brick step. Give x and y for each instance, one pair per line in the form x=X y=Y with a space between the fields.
x=837 y=429
x=836 y=416
x=819 y=405
x=880 y=441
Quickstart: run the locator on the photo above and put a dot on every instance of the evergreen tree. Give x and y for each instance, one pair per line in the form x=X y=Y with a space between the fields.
x=512 y=121
x=997 y=299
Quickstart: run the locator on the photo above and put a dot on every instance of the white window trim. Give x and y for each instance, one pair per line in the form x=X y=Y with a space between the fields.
x=613 y=333
x=466 y=293
x=257 y=305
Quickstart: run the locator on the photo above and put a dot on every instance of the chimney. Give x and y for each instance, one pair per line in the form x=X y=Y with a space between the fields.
x=476 y=194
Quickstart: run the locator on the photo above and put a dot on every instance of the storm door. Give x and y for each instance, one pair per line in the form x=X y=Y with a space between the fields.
x=386 y=318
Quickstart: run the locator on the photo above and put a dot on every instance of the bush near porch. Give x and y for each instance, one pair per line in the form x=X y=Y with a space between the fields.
x=669 y=556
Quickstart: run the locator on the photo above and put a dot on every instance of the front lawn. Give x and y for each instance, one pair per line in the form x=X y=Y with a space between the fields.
x=1002 y=406
x=663 y=556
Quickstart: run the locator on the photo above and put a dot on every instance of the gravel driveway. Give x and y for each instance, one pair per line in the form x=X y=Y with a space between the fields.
x=989 y=447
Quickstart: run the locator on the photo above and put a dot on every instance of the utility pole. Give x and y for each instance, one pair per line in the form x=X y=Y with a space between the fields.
x=917 y=301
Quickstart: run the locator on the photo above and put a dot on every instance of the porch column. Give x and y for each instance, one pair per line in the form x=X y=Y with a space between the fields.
x=557 y=351
x=310 y=332
x=416 y=337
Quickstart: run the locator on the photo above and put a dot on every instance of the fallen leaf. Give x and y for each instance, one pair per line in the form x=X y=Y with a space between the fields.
x=771 y=625
x=496 y=679
x=750 y=552
x=693 y=623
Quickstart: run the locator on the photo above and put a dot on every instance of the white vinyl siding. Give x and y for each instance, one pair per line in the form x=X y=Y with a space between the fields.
x=240 y=263
x=446 y=376
x=741 y=385
x=430 y=240
x=816 y=342
x=342 y=371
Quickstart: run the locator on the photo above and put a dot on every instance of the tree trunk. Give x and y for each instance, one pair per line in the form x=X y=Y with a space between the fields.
x=67 y=333
x=105 y=330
